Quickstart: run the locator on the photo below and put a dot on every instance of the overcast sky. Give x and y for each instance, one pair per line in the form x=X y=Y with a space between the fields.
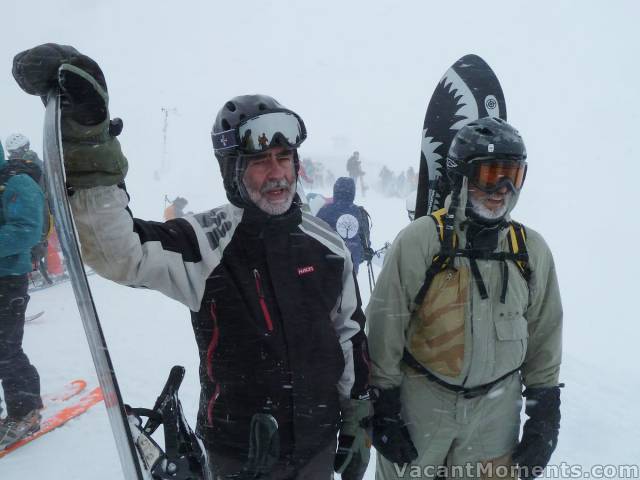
x=359 y=72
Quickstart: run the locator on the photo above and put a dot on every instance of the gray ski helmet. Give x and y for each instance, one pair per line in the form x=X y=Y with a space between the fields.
x=229 y=117
x=488 y=137
x=17 y=141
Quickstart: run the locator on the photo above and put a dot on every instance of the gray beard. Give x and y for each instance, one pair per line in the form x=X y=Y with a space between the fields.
x=483 y=212
x=273 y=208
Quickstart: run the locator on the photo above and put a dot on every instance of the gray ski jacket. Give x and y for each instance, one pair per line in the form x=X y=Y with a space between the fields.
x=456 y=335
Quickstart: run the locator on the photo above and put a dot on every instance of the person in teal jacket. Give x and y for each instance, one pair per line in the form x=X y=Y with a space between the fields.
x=21 y=206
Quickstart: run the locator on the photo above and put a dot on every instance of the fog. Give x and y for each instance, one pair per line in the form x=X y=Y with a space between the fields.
x=360 y=74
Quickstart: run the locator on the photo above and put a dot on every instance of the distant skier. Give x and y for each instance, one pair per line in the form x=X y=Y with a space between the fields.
x=354 y=168
x=44 y=256
x=386 y=181
x=308 y=172
x=175 y=209
x=19 y=147
x=466 y=311
x=274 y=303
x=412 y=179
x=349 y=220
x=21 y=207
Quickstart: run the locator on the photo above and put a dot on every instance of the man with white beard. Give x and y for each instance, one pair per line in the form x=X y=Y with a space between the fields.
x=274 y=303
x=451 y=348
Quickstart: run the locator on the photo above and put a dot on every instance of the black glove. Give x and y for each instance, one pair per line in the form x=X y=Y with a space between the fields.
x=540 y=433
x=390 y=434
x=354 y=441
x=368 y=254
x=37 y=71
x=92 y=155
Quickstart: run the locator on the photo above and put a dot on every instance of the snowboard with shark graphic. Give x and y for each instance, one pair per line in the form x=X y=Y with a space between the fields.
x=468 y=90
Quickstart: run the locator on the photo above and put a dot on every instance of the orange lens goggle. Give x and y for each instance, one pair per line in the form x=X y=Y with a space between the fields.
x=492 y=175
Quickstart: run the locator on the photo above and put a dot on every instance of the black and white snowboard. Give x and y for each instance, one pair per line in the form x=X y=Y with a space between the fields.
x=468 y=90
x=56 y=185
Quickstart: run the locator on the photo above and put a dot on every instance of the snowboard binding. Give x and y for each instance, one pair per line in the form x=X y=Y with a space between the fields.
x=184 y=457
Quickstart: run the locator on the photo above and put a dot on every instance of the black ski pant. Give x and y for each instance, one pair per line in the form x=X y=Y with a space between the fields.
x=318 y=467
x=20 y=379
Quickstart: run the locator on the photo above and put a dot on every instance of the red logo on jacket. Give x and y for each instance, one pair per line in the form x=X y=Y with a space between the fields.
x=305 y=270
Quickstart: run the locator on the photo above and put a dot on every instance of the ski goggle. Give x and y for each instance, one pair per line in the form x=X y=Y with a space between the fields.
x=259 y=133
x=491 y=174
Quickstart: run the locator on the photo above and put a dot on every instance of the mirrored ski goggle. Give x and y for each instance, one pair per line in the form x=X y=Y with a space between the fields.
x=491 y=174
x=257 y=134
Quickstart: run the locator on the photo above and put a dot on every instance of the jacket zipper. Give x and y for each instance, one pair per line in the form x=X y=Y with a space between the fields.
x=263 y=302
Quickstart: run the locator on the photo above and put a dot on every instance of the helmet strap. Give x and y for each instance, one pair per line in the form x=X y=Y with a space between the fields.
x=240 y=166
x=450 y=219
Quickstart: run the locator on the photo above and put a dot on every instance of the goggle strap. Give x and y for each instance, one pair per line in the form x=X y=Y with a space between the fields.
x=225 y=140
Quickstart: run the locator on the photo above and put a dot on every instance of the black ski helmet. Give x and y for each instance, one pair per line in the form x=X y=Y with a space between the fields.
x=485 y=138
x=229 y=117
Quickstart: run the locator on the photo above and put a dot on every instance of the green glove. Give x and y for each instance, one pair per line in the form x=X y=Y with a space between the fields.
x=354 y=441
x=92 y=154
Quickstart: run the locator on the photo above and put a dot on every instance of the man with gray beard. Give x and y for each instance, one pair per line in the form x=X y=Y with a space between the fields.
x=274 y=303
x=465 y=312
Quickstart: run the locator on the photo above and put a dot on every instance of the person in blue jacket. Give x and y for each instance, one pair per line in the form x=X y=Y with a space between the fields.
x=349 y=220
x=21 y=218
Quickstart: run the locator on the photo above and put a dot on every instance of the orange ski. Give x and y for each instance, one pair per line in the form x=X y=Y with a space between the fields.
x=70 y=390
x=60 y=418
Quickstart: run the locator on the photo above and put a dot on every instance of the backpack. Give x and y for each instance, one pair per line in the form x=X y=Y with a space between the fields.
x=365 y=229
x=517 y=239
x=17 y=167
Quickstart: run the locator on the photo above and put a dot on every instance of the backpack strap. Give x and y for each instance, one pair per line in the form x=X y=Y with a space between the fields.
x=5 y=174
x=365 y=230
x=440 y=262
x=7 y=171
x=518 y=247
x=517 y=239
x=438 y=218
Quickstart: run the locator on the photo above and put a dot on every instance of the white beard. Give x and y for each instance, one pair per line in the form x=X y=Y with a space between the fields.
x=479 y=209
x=265 y=205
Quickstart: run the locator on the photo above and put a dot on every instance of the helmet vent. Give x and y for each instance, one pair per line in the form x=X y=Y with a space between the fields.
x=484 y=131
x=225 y=124
x=230 y=106
x=262 y=106
x=242 y=117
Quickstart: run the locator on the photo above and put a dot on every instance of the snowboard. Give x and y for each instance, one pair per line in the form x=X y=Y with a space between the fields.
x=57 y=190
x=468 y=90
x=60 y=407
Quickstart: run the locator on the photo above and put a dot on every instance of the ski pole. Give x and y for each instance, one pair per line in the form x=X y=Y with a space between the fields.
x=372 y=278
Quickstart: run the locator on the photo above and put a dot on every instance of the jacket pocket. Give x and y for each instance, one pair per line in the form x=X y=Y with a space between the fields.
x=511 y=344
